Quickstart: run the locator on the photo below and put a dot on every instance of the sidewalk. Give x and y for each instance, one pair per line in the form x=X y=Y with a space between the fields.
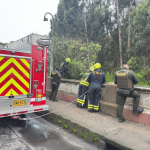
x=126 y=135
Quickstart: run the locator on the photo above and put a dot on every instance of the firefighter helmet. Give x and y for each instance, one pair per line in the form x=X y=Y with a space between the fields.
x=97 y=65
x=68 y=60
x=92 y=68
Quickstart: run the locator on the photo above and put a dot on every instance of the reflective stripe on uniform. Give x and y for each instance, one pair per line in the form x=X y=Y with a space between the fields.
x=78 y=100
x=90 y=106
x=96 y=107
x=84 y=83
x=82 y=101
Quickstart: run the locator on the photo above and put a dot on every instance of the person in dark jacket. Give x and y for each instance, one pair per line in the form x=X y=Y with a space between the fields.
x=64 y=67
x=55 y=84
x=83 y=90
x=95 y=79
x=125 y=80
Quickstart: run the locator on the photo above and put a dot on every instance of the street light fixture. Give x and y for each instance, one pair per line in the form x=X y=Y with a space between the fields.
x=52 y=47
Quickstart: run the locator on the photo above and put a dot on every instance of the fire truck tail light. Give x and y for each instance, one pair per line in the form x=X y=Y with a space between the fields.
x=38 y=95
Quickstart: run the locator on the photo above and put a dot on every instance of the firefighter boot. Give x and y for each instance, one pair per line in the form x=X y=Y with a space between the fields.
x=77 y=104
x=54 y=100
x=81 y=105
x=91 y=110
x=96 y=110
x=137 y=110
x=121 y=120
x=50 y=98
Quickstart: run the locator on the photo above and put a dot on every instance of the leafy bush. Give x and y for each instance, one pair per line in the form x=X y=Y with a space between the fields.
x=76 y=70
x=145 y=76
x=134 y=64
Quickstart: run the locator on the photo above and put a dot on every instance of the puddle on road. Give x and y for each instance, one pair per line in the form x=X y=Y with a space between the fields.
x=40 y=137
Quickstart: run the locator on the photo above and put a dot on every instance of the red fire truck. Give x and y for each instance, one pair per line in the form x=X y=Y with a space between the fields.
x=23 y=74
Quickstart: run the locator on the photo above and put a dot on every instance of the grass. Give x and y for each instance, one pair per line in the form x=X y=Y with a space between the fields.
x=109 y=78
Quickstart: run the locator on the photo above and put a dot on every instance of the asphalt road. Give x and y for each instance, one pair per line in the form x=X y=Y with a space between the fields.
x=37 y=134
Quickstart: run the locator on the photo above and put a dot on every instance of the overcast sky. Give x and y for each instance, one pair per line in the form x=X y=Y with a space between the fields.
x=19 y=18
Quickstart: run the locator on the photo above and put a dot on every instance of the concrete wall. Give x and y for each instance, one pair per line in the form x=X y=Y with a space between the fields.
x=68 y=91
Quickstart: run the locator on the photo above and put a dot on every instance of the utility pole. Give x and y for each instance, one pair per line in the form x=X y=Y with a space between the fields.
x=51 y=49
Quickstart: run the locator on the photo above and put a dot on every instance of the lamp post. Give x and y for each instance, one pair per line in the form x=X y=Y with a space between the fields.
x=52 y=47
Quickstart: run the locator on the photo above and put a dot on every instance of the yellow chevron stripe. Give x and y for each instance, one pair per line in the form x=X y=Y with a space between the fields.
x=15 y=84
x=9 y=61
x=21 y=68
x=1 y=58
x=11 y=91
x=19 y=87
x=25 y=62
x=5 y=86
x=6 y=75
x=20 y=78
x=12 y=70
x=14 y=92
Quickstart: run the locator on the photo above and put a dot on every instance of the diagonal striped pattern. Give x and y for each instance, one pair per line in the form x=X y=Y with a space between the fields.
x=14 y=76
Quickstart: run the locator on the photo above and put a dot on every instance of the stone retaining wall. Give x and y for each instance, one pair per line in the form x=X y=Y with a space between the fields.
x=68 y=91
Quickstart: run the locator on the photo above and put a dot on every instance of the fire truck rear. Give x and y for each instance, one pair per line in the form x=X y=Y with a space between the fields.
x=23 y=73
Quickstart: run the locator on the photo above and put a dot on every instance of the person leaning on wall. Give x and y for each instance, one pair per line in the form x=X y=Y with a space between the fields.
x=95 y=79
x=125 y=80
x=83 y=89
x=63 y=67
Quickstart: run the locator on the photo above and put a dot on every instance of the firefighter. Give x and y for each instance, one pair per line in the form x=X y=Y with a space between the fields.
x=55 y=84
x=64 y=67
x=125 y=80
x=83 y=88
x=95 y=79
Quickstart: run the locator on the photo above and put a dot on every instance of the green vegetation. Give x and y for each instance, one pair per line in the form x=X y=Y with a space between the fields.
x=110 y=78
x=3 y=44
x=95 y=31
x=66 y=126
x=74 y=130
x=59 y=121
x=95 y=139
x=84 y=135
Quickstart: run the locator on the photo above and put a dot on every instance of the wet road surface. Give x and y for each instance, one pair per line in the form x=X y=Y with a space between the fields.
x=37 y=135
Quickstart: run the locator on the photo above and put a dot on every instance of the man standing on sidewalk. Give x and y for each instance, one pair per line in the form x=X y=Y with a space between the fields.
x=55 y=84
x=125 y=80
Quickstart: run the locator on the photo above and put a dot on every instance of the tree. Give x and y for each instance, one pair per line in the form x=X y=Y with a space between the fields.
x=119 y=32
x=141 y=24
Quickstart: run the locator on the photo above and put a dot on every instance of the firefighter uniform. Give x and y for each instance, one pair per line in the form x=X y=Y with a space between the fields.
x=125 y=80
x=83 y=88
x=96 y=79
x=64 y=67
x=55 y=84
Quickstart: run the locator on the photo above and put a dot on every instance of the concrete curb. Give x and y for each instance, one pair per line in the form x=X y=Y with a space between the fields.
x=75 y=129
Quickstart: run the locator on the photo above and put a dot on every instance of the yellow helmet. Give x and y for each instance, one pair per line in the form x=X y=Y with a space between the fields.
x=97 y=65
x=92 y=68
x=68 y=60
